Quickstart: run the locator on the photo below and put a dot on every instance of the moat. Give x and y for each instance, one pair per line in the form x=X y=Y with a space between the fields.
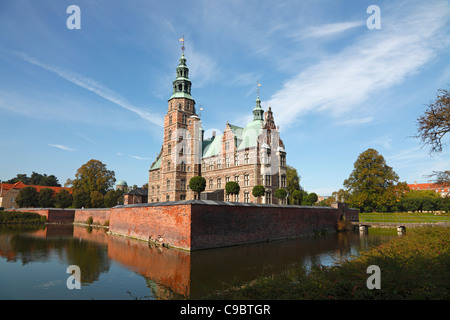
x=34 y=262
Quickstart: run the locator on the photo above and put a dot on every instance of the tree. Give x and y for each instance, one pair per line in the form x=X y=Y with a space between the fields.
x=232 y=187
x=63 y=199
x=197 y=184
x=292 y=181
x=258 y=191
x=435 y=123
x=28 y=197
x=310 y=199
x=81 y=199
x=93 y=176
x=46 y=198
x=113 y=198
x=97 y=200
x=281 y=193
x=369 y=180
x=36 y=179
x=297 y=196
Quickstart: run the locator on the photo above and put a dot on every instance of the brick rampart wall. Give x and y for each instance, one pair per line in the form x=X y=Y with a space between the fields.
x=197 y=224
x=99 y=216
x=52 y=215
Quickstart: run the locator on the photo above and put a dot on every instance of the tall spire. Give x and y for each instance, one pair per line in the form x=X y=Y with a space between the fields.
x=258 y=112
x=182 y=84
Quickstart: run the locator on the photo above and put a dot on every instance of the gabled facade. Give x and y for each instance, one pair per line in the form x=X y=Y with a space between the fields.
x=251 y=155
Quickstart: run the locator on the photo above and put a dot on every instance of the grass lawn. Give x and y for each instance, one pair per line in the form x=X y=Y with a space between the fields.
x=415 y=266
x=406 y=217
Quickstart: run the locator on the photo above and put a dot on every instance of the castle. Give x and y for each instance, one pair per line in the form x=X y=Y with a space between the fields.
x=253 y=155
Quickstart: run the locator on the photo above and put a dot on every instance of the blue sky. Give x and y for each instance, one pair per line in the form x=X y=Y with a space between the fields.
x=335 y=86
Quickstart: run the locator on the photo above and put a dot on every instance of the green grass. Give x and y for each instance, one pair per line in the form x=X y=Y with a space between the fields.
x=16 y=217
x=415 y=266
x=405 y=217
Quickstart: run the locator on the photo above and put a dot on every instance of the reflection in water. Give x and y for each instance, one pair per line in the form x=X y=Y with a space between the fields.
x=166 y=273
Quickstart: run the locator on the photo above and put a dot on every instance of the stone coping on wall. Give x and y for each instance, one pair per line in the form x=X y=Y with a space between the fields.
x=218 y=203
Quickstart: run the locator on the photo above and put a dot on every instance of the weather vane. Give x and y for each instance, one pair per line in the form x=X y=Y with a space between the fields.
x=257 y=87
x=182 y=46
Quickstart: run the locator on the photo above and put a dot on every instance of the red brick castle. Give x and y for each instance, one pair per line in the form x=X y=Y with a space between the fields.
x=253 y=155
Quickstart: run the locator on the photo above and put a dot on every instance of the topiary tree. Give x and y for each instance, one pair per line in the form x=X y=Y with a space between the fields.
x=258 y=191
x=197 y=184
x=232 y=187
x=281 y=193
x=297 y=195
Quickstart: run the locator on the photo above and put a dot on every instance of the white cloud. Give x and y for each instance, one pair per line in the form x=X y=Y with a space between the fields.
x=60 y=146
x=332 y=29
x=96 y=88
x=338 y=84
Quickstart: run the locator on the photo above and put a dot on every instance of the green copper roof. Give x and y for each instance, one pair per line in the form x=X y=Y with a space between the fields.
x=156 y=164
x=181 y=95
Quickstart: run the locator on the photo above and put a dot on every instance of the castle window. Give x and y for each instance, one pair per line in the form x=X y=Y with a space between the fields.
x=227 y=197
x=182 y=166
x=227 y=179
x=157 y=191
x=246 y=158
x=169 y=137
x=283 y=180
x=211 y=165
x=182 y=197
x=246 y=197
x=183 y=184
x=167 y=198
x=283 y=160
x=236 y=198
x=219 y=183
x=227 y=145
x=168 y=184
x=168 y=165
x=169 y=149
x=219 y=163
x=268 y=197
x=236 y=179
x=170 y=119
x=268 y=180
x=211 y=184
x=246 y=180
x=236 y=160
x=153 y=190
x=227 y=161
x=184 y=119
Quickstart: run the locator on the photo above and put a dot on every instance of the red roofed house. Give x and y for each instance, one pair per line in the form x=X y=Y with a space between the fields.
x=442 y=190
x=9 y=192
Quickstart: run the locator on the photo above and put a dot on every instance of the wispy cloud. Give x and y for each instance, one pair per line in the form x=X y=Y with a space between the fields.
x=339 y=83
x=140 y=158
x=96 y=88
x=61 y=146
x=332 y=29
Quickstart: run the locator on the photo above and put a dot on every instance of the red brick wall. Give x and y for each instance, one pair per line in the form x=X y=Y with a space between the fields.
x=216 y=226
x=172 y=223
x=100 y=216
x=200 y=226
x=53 y=215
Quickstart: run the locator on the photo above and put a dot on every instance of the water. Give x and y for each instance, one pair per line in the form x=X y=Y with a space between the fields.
x=34 y=262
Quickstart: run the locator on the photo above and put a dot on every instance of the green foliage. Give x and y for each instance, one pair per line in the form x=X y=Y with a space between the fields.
x=28 y=197
x=63 y=199
x=258 y=191
x=96 y=199
x=297 y=197
x=113 y=198
x=310 y=199
x=46 y=198
x=81 y=199
x=36 y=179
x=371 y=183
x=93 y=176
x=197 y=184
x=12 y=217
x=292 y=181
x=90 y=220
x=232 y=187
x=281 y=193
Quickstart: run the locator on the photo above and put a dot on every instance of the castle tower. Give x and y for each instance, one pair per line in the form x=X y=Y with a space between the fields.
x=179 y=159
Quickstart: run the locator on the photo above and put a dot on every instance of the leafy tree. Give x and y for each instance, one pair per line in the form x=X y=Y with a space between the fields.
x=369 y=181
x=81 y=199
x=97 y=200
x=197 y=184
x=292 y=181
x=46 y=198
x=310 y=199
x=232 y=187
x=258 y=191
x=113 y=198
x=28 y=197
x=297 y=196
x=63 y=199
x=36 y=179
x=281 y=193
x=93 y=176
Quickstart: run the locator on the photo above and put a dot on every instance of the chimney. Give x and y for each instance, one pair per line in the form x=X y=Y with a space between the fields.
x=214 y=134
